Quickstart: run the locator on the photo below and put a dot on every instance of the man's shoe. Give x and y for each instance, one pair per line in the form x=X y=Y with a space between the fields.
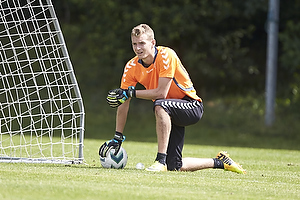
x=157 y=167
x=229 y=164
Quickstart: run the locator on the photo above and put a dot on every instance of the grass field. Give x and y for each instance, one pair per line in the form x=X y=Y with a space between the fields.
x=271 y=174
x=269 y=154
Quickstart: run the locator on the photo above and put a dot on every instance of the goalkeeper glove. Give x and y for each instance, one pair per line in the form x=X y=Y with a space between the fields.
x=115 y=143
x=118 y=96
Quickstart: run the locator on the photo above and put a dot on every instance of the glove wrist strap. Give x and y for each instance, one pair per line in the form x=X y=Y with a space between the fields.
x=119 y=136
x=131 y=91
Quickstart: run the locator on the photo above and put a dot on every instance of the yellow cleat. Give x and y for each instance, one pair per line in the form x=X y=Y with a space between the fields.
x=157 y=167
x=229 y=164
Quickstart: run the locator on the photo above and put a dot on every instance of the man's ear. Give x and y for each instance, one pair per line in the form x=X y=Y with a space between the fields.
x=154 y=42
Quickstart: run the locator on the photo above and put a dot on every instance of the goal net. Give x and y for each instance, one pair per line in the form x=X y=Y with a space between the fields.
x=41 y=109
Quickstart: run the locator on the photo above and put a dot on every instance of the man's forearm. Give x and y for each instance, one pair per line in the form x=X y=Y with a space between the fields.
x=158 y=93
x=121 y=116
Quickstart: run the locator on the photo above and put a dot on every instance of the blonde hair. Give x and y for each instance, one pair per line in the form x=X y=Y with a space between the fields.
x=143 y=29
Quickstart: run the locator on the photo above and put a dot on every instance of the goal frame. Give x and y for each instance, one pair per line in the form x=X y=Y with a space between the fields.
x=79 y=145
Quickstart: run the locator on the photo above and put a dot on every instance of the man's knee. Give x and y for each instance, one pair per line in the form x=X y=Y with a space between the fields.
x=159 y=111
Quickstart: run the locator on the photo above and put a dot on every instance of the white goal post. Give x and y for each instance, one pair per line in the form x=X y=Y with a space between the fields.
x=41 y=108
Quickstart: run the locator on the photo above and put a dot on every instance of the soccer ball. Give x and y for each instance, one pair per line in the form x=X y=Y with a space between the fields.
x=117 y=162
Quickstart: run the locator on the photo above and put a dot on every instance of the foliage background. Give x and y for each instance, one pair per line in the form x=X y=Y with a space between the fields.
x=221 y=43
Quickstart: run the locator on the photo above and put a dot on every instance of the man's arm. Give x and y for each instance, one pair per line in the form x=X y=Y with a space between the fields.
x=121 y=116
x=116 y=142
x=160 y=92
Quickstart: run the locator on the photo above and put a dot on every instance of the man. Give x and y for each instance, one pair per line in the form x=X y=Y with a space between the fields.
x=176 y=104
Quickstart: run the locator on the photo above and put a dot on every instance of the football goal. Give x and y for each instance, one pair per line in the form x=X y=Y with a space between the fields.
x=41 y=108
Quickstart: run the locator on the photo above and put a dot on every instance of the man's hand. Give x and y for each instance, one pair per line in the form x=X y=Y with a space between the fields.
x=118 y=96
x=115 y=143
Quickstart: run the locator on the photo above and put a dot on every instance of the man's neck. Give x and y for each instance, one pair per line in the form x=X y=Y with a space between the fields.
x=150 y=59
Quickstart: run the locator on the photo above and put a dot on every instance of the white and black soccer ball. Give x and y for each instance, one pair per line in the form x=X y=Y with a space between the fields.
x=117 y=162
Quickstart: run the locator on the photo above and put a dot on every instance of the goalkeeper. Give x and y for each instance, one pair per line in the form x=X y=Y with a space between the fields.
x=176 y=104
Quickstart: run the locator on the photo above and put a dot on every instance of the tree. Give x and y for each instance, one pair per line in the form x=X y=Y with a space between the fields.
x=221 y=43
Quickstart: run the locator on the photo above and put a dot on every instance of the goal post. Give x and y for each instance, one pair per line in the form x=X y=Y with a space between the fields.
x=41 y=108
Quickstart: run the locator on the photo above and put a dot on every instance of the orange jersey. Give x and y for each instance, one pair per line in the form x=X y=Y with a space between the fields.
x=166 y=64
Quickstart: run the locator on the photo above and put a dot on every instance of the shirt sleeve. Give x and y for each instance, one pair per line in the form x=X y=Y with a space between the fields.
x=167 y=63
x=128 y=78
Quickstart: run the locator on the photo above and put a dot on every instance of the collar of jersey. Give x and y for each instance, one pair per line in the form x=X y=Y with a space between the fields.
x=142 y=63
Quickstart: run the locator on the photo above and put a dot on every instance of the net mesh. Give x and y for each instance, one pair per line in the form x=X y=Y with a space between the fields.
x=41 y=109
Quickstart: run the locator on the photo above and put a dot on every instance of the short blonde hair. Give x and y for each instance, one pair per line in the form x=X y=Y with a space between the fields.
x=143 y=29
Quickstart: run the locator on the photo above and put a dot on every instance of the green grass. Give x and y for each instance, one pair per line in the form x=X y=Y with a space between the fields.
x=234 y=124
x=271 y=174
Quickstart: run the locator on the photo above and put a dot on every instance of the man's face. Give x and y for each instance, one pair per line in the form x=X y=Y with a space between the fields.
x=142 y=46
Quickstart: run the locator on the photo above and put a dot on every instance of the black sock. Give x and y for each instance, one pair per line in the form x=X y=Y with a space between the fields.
x=218 y=164
x=161 y=158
